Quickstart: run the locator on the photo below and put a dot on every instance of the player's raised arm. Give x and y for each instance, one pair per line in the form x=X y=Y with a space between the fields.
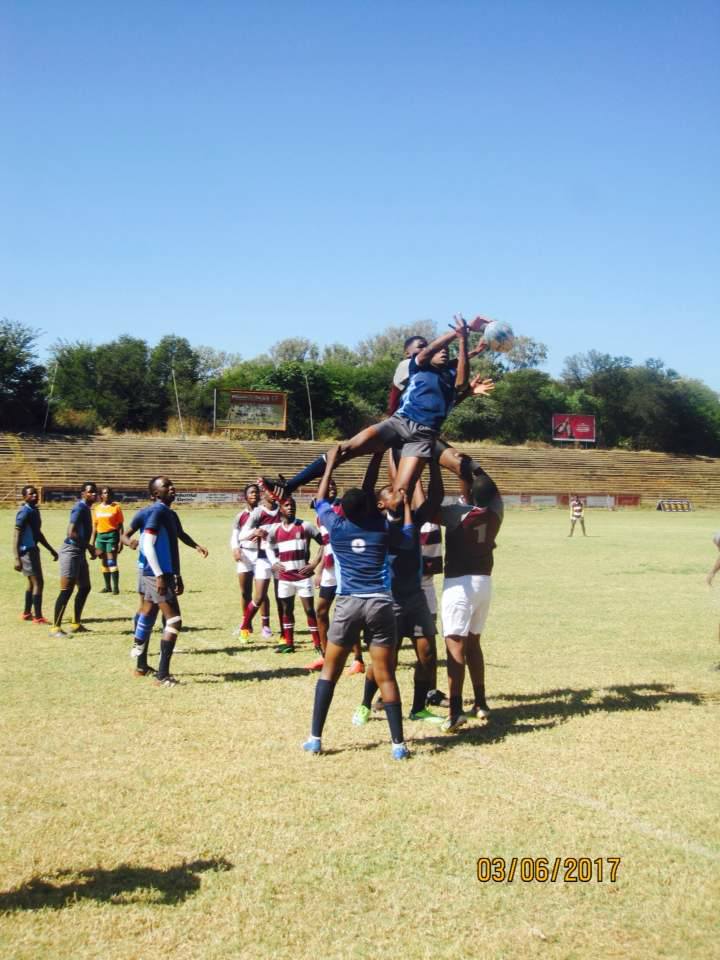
x=463 y=367
x=331 y=460
x=369 y=483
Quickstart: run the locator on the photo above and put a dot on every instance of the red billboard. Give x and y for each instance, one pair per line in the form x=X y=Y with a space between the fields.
x=573 y=427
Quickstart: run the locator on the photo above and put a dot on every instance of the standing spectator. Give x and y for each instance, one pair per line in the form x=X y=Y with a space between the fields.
x=107 y=529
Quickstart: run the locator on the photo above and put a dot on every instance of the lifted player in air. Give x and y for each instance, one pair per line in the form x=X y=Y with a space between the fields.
x=107 y=529
x=288 y=546
x=26 y=551
x=245 y=554
x=359 y=538
x=471 y=530
x=414 y=427
x=73 y=562
x=447 y=456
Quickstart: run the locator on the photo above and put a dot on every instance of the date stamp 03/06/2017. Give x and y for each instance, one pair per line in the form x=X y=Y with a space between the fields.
x=548 y=869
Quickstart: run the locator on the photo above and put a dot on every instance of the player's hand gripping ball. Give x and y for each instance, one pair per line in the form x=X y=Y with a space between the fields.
x=499 y=336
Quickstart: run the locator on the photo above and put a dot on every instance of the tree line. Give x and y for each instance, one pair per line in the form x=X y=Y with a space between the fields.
x=127 y=384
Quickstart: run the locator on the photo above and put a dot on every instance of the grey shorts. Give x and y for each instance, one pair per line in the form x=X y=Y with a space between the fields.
x=411 y=438
x=413 y=617
x=150 y=590
x=74 y=565
x=31 y=564
x=353 y=615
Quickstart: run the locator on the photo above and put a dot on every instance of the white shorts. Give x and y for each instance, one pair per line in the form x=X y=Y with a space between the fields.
x=292 y=588
x=242 y=566
x=327 y=577
x=428 y=585
x=465 y=604
x=263 y=570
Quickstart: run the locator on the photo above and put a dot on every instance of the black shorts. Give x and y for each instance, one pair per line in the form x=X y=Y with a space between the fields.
x=327 y=593
x=372 y=616
x=413 y=617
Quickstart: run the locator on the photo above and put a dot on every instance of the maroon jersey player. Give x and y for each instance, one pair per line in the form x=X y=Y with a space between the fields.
x=471 y=531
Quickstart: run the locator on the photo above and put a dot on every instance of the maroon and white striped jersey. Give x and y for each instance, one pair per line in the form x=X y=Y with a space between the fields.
x=259 y=517
x=431 y=545
x=289 y=544
x=248 y=547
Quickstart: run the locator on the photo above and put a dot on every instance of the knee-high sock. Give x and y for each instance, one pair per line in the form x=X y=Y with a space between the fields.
x=37 y=605
x=28 y=602
x=166 y=652
x=369 y=691
x=248 y=614
x=393 y=712
x=80 y=598
x=313 y=471
x=324 y=691
x=60 y=604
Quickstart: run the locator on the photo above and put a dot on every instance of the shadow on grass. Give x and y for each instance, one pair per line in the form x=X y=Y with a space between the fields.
x=238 y=676
x=529 y=713
x=121 y=885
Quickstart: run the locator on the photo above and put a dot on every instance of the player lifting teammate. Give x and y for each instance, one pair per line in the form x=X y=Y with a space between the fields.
x=359 y=539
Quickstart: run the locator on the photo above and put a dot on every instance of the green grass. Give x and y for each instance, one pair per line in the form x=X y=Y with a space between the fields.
x=142 y=823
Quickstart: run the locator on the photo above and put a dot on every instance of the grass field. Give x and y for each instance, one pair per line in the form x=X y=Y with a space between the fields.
x=143 y=823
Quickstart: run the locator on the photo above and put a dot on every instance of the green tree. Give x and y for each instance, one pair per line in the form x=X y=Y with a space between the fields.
x=22 y=378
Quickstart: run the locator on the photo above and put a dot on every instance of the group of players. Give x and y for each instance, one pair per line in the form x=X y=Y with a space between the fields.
x=370 y=554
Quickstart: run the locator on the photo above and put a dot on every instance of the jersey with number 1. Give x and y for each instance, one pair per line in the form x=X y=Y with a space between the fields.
x=470 y=534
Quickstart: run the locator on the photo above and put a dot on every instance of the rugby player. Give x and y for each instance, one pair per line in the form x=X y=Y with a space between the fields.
x=287 y=546
x=359 y=538
x=26 y=551
x=414 y=427
x=471 y=530
x=256 y=526
x=245 y=555
x=73 y=562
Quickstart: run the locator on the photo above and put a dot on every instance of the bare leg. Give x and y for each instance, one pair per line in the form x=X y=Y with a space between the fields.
x=456 y=673
x=476 y=669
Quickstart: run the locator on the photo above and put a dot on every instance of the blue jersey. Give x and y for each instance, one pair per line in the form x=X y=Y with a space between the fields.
x=405 y=555
x=361 y=552
x=161 y=519
x=27 y=520
x=138 y=524
x=81 y=519
x=429 y=395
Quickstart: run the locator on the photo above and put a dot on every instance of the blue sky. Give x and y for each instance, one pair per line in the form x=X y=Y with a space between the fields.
x=240 y=172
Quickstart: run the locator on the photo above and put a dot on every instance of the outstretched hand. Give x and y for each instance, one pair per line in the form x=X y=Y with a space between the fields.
x=480 y=387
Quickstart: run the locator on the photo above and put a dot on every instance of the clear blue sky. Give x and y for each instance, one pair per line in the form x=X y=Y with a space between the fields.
x=238 y=172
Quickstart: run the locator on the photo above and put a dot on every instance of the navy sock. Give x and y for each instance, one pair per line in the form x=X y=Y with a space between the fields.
x=419 y=696
x=60 y=604
x=324 y=690
x=28 y=601
x=80 y=598
x=455 y=707
x=393 y=712
x=313 y=471
x=371 y=688
x=37 y=605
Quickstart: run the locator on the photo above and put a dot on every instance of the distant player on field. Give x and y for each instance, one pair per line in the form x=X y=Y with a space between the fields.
x=73 y=562
x=26 y=551
x=577 y=513
x=245 y=554
x=107 y=529
x=256 y=526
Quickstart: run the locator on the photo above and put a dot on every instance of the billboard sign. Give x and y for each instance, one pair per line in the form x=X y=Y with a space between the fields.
x=573 y=427
x=255 y=410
